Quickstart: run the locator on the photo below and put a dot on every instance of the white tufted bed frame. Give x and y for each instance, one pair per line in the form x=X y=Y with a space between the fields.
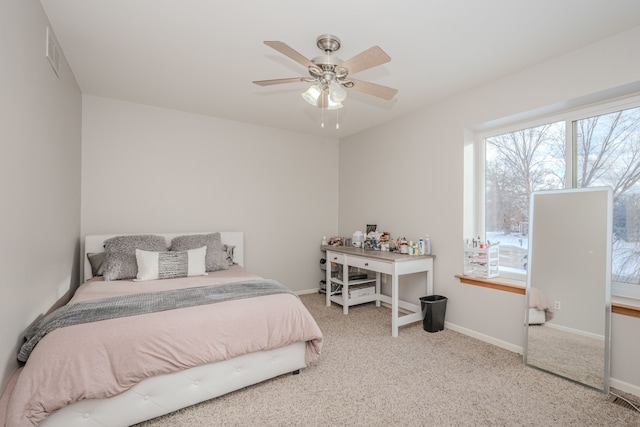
x=163 y=394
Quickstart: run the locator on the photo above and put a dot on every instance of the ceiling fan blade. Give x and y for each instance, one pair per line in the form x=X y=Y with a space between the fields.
x=374 y=89
x=279 y=81
x=369 y=58
x=287 y=50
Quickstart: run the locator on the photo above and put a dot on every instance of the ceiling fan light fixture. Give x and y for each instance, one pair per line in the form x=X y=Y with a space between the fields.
x=336 y=92
x=326 y=103
x=312 y=94
x=329 y=76
x=334 y=105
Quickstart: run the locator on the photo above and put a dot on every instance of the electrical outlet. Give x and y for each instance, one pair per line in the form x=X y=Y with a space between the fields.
x=556 y=305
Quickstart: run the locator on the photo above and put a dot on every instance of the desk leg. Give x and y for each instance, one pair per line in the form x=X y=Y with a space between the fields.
x=429 y=282
x=328 y=286
x=377 y=288
x=345 y=288
x=394 y=305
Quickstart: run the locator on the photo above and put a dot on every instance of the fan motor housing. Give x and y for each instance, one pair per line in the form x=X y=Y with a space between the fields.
x=326 y=62
x=328 y=43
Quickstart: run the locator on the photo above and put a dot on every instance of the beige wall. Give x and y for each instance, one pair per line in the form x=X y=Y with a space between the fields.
x=40 y=118
x=412 y=181
x=148 y=169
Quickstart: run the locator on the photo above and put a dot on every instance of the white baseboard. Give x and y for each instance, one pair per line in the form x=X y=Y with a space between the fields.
x=623 y=386
x=617 y=384
x=575 y=331
x=483 y=337
x=308 y=291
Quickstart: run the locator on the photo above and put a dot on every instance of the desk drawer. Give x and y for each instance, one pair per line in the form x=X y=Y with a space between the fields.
x=334 y=257
x=369 y=264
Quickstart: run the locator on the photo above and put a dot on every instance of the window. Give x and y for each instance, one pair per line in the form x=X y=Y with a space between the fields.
x=608 y=153
x=516 y=164
x=590 y=148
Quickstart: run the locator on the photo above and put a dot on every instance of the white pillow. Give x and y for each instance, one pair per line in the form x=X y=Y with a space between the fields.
x=171 y=264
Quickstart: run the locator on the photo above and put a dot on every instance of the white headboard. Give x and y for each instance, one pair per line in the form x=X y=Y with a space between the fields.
x=95 y=243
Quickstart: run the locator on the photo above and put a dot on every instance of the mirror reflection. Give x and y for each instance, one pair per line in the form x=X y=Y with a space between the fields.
x=567 y=328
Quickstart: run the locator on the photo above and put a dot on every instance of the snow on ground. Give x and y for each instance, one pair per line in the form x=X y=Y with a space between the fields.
x=625 y=257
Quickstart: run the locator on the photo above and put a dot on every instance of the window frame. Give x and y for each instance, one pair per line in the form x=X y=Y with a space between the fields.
x=570 y=117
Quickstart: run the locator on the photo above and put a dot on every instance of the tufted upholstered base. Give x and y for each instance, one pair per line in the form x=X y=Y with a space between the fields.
x=167 y=393
x=536 y=317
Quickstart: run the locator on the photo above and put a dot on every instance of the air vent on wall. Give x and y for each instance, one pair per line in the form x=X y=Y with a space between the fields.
x=53 y=52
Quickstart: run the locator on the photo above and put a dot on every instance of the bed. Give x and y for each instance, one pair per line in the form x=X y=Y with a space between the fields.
x=540 y=310
x=118 y=371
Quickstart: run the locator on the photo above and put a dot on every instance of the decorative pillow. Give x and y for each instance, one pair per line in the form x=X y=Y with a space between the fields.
x=121 y=254
x=228 y=252
x=216 y=258
x=97 y=263
x=169 y=265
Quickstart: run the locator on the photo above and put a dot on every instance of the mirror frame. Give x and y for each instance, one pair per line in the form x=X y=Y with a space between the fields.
x=554 y=224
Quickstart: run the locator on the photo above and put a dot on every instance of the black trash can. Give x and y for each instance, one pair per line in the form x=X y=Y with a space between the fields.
x=433 y=310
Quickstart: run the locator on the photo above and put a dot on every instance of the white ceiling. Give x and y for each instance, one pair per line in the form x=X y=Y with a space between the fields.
x=201 y=56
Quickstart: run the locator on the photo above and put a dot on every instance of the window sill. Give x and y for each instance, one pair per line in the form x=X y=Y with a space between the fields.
x=506 y=285
x=624 y=306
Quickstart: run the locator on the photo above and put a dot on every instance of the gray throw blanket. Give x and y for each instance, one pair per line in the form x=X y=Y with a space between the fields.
x=151 y=302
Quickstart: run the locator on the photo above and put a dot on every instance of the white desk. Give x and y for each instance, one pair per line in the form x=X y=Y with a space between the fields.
x=380 y=262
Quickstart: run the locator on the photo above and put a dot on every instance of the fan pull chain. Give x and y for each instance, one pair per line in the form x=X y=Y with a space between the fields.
x=325 y=102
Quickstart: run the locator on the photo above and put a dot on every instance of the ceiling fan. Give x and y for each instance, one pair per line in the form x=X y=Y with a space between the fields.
x=330 y=76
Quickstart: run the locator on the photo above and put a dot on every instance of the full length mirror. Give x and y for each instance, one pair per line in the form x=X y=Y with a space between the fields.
x=567 y=327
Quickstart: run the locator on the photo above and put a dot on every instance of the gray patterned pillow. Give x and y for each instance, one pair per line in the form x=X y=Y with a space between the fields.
x=228 y=252
x=121 y=254
x=97 y=263
x=169 y=265
x=216 y=258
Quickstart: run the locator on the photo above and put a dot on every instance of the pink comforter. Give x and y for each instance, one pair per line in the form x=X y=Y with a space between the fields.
x=102 y=359
x=539 y=301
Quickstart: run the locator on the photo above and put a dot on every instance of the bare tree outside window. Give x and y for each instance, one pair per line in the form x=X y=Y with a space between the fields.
x=517 y=164
x=606 y=149
x=608 y=154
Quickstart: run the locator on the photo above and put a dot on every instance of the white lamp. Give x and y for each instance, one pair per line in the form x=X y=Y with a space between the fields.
x=312 y=94
x=336 y=92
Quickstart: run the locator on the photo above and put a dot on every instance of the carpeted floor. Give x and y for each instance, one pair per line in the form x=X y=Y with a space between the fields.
x=577 y=357
x=367 y=378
